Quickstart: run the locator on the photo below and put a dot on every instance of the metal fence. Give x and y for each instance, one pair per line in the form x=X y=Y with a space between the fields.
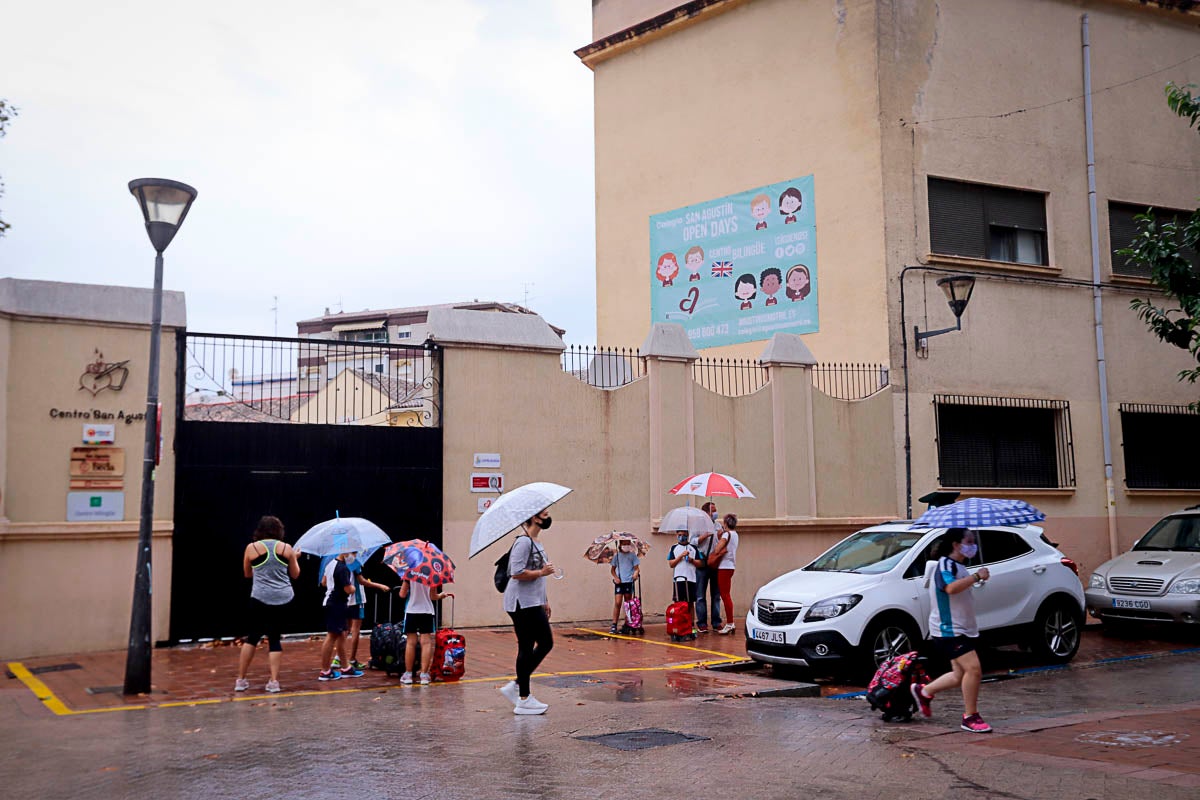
x=850 y=381
x=603 y=367
x=227 y=378
x=732 y=377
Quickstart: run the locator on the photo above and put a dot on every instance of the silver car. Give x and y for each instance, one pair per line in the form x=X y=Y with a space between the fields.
x=1157 y=581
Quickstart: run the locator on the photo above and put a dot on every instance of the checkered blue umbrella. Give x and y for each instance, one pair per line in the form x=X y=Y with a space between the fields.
x=980 y=512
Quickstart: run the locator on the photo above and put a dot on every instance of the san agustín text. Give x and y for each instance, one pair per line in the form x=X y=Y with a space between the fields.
x=96 y=415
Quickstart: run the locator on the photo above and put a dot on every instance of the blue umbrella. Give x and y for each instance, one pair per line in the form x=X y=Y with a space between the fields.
x=342 y=535
x=980 y=512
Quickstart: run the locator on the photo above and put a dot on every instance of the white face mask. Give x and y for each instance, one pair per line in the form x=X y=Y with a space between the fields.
x=625 y=548
x=969 y=550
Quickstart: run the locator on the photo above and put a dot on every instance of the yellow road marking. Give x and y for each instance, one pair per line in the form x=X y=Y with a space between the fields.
x=54 y=704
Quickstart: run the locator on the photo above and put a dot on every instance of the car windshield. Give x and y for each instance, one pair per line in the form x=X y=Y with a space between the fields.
x=1173 y=533
x=870 y=552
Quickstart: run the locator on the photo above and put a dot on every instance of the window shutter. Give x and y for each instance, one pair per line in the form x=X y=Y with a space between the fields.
x=1012 y=208
x=1122 y=227
x=956 y=220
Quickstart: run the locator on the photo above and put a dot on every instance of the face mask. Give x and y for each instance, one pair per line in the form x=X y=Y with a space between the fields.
x=626 y=548
x=682 y=539
x=544 y=523
x=969 y=550
x=714 y=516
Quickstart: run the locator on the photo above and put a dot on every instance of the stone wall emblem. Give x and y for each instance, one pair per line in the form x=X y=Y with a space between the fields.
x=101 y=375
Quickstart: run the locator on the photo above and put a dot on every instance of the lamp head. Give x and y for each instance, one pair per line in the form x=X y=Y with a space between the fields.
x=164 y=205
x=958 y=290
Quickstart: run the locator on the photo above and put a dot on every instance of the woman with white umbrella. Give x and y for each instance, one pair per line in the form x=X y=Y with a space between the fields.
x=526 y=603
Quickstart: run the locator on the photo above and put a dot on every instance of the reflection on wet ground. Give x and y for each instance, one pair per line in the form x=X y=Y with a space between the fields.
x=639 y=688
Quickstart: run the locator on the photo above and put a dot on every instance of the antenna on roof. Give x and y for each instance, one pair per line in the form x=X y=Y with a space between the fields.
x=275 y=308
x=527 y=285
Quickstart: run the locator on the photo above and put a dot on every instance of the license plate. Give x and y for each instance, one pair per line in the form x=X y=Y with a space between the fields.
x=774 y=637
x=1144 y=605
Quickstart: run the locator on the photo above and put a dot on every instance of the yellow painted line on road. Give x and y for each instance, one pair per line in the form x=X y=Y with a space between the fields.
x=722 y=656
x=40 y=690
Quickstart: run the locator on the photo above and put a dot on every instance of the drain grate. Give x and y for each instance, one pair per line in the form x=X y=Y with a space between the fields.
x=47 y=668
x=643 y=739
x=584 y=637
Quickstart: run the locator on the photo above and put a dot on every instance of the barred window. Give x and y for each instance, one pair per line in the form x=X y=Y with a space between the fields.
x=1004 y=442
x=992 y=222
x=1160 y=444
x=1122 y=227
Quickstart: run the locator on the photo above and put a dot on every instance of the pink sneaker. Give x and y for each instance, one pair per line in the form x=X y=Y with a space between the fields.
x=975 y=724
x=924 y=702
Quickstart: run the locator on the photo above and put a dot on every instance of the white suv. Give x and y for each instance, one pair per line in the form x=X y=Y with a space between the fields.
x=866 y=598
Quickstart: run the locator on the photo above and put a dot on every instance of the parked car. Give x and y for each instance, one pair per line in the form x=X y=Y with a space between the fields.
x=867 y=599
x=1157 y=581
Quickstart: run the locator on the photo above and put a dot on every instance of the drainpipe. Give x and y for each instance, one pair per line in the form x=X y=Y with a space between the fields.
x=1101 y=365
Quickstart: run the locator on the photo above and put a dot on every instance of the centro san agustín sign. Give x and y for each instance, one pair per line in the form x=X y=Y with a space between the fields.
x=96 y=415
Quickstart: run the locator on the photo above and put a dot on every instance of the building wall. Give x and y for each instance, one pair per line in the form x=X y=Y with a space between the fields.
x=49 y=333
x=944 y=113
x=765 y=91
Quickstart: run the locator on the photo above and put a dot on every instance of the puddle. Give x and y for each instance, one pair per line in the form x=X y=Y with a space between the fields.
x=668 y=686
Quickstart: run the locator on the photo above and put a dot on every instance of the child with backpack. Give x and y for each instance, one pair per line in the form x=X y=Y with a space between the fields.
x=419 y=621
x=626 y=569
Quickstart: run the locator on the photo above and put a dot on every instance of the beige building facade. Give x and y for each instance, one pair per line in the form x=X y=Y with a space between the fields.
x=942 y=138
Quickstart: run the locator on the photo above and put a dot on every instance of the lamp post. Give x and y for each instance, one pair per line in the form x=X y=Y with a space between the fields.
x=958 y=289
x=164 y=206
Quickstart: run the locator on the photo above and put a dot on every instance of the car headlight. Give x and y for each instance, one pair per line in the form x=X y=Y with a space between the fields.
x=1097 y=581
x=1185 y=586
x=833 y=607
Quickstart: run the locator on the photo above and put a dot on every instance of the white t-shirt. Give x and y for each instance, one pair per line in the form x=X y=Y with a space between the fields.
x=686 y=568
x=729 y=560
x=419 y=601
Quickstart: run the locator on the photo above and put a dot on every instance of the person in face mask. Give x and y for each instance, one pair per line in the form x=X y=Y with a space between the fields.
x=626 y=568
x=707 y=594
x=682 y=559
x=526 y=603
x=952 y=626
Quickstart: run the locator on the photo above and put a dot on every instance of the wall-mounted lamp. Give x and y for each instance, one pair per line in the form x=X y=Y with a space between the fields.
x=958 y=290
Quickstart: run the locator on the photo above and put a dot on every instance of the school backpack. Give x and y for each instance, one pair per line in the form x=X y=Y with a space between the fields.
x=501 y=577
x=889 y=690
x=387 y=648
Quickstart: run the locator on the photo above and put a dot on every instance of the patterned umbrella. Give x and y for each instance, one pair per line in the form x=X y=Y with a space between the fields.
x=420 y=561
x=510 y=510
x=980 y=512
x=342 y=535
x=712 y=484
x=687 y=518
x=604 y=547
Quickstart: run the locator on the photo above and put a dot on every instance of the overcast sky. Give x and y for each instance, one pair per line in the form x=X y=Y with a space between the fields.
x=351 y=155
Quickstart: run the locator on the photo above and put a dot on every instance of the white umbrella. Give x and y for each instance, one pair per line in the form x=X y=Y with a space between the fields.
x=687 y=518
x=510 y=510
x=342 y=535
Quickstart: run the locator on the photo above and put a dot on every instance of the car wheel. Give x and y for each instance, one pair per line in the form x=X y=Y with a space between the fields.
x=1057 y=631
x=888 y=637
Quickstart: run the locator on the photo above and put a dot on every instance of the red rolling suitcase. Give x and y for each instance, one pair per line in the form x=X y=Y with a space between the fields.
x=449 y=652
x=679 y=616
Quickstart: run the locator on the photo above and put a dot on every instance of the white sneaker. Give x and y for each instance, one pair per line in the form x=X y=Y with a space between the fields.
x=273 y=687
x=529 y=705
x=510 y=692
x=241 y=685
x=406 y=679
x=424 y=679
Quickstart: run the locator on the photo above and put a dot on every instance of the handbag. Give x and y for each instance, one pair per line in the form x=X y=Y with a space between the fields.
x=717 y=554
x=501 y=576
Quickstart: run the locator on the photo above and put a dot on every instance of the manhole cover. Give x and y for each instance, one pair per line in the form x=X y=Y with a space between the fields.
x=584 y=637
x=1132 y=738
x=643 y=739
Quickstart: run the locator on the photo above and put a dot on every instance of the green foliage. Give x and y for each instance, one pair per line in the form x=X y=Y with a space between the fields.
x=1165 y=250
x=7 y=113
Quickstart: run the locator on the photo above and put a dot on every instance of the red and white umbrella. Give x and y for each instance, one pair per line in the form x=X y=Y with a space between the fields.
x=712 y=484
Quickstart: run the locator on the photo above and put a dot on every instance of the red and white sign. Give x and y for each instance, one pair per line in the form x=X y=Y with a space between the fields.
x=484 y=503
x=487 y=482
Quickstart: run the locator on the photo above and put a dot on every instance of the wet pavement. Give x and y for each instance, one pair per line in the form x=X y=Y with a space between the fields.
x=626 y=715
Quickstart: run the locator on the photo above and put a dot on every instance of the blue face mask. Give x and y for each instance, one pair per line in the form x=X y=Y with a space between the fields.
x=969 y=550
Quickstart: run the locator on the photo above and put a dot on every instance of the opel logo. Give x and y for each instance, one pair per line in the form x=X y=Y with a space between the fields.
x=771 y=607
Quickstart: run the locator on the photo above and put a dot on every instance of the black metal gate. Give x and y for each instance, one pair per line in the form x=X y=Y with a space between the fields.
x=301 y=429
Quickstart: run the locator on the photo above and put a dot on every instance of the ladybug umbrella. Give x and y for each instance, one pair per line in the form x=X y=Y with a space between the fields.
x=420 y=561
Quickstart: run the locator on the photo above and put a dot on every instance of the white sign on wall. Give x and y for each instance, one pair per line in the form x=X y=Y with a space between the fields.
x=484 y=503
x=95 y=506
x=99 y=434
x=487 y=461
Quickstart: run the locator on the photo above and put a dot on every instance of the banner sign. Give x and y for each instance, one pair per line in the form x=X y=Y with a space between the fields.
x=739 y=268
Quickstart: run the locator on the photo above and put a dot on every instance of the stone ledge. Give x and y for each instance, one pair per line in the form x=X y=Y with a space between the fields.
x=80 y=531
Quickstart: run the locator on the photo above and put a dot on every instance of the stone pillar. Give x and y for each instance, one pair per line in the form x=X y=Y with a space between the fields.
x=789 y=363
x=672 y=435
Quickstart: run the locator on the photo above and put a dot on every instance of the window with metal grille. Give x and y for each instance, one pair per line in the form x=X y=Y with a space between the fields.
x=1009 y=442
x=1123 y=226
x=978 y=221
x=1160 y=444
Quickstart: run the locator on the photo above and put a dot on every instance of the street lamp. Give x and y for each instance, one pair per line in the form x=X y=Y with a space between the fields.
x=958 y=290
x=164 y=206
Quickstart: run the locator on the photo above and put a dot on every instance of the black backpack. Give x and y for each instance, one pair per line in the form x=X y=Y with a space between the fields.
x=500 y=578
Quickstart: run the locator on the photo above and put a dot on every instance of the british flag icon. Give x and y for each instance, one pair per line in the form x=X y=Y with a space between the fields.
x=722 y=269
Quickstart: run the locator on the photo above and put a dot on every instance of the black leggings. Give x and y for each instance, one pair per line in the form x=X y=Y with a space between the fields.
x=268 y=620
x=534 y=641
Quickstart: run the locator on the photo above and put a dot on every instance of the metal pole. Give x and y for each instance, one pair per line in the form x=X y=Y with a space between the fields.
x=137 y=659
x=907 y=439
x=1097 y=305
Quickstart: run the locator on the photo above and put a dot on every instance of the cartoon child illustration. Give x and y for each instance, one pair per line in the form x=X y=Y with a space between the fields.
x=798 y=283
x=760 y=207
x=745 y=290
x=789 y=203
x=695 y=262
x=771 y=281
x=668 y=268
